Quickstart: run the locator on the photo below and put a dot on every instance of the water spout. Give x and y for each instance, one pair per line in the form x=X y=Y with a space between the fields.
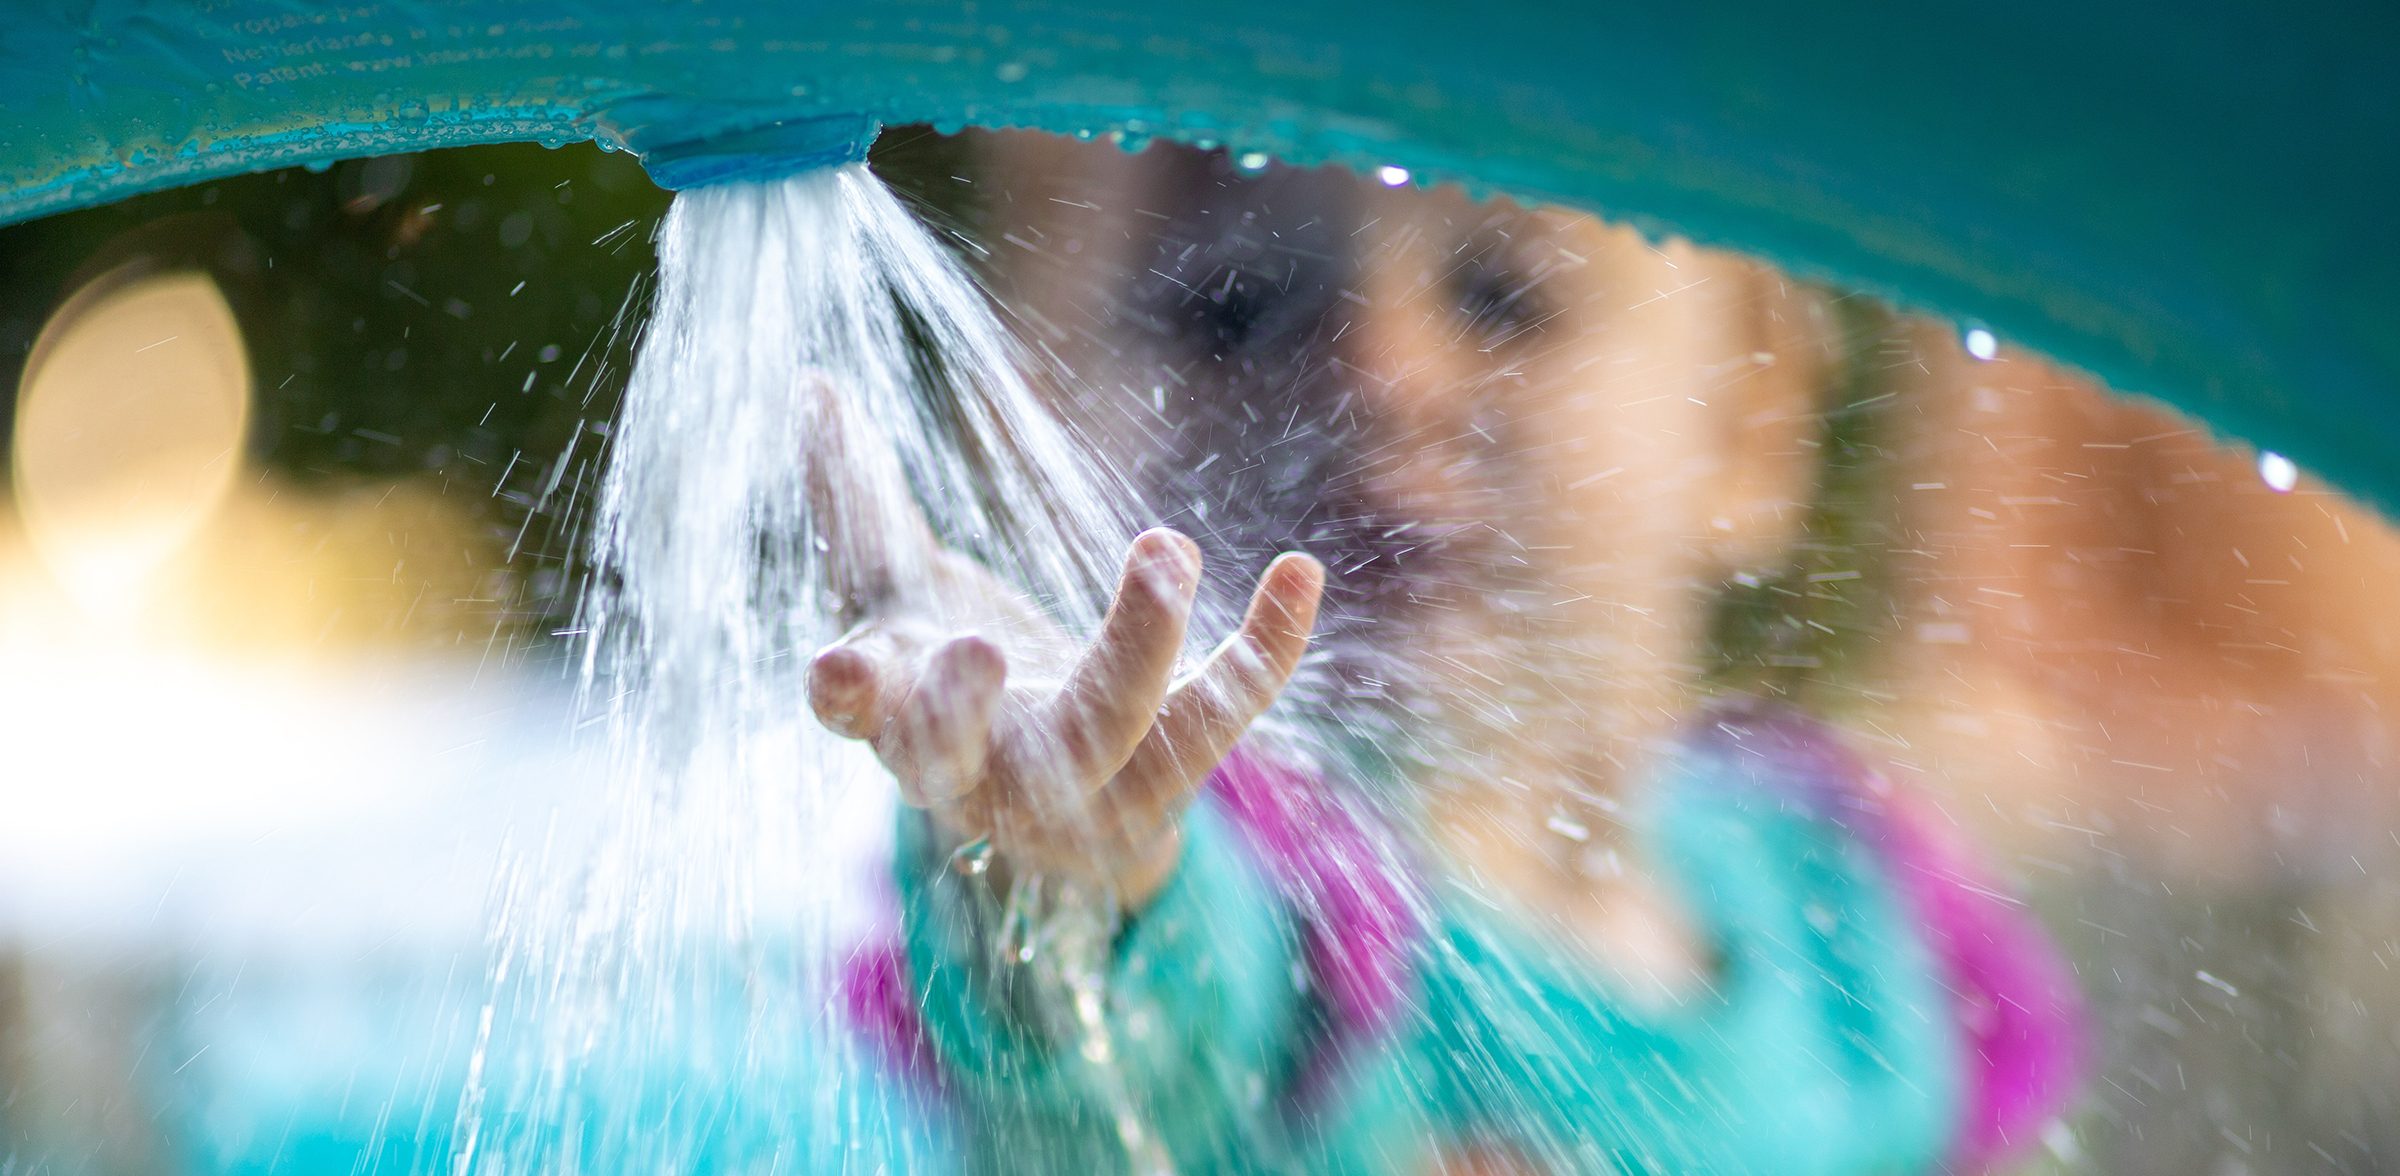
x=684 y=144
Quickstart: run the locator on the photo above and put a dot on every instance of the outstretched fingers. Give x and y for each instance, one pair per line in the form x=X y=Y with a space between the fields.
x=937 y=742
x=1207 y=712
x=929 y=719
x=1112 y=695
x=855 y=685
x=932 y=710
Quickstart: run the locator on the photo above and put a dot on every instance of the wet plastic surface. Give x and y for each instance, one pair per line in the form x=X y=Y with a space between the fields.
x=2185 y=201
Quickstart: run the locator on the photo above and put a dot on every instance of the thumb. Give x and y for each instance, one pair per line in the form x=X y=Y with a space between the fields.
x=865 y=518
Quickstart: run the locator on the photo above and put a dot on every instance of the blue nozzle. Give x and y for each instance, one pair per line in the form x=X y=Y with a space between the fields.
x=688 y=145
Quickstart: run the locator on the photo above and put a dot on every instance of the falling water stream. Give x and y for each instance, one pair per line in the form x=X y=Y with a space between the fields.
x=817 y=371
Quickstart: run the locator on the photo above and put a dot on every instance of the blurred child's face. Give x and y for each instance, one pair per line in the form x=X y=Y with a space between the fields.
x=1526 y=444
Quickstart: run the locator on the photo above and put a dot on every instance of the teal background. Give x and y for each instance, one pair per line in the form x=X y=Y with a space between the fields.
x=2190 y=201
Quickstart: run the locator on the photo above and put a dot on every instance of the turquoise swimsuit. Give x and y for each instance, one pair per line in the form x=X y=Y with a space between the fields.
x=1289 y=1004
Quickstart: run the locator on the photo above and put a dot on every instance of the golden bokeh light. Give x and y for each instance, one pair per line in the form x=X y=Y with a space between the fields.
x=129 y=430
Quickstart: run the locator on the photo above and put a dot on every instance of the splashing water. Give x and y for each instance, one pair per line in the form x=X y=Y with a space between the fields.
x=818 y=371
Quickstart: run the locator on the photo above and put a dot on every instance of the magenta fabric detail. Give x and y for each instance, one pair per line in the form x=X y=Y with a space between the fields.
x=879 y=1004
x=2015 y=999
x=1358 y=928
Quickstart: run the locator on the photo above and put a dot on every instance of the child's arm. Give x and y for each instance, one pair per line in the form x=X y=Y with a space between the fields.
x=1156 y=1010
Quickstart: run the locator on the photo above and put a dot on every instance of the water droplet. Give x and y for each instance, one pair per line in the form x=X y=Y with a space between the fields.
x=1982 y=344
x=1600 y=863
x=974 y=859
x=1251 y=162
x=2277 y=471
x=1392 y=175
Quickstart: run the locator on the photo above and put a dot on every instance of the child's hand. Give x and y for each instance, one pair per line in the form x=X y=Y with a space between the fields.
x=1084 y=775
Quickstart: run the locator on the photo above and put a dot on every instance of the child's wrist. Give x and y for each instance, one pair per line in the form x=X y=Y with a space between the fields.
x=1132 y=874
x=1148 y=872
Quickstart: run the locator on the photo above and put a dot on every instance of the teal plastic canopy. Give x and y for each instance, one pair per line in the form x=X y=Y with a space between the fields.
x=2190 y=200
